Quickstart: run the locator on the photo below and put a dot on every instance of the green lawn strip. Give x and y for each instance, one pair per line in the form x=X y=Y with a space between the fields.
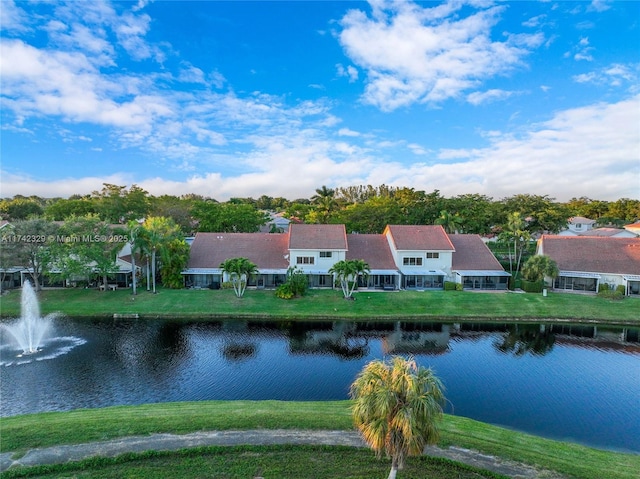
x=567 y=458
x=328 y=304
x=242 y=462
x=20 y=433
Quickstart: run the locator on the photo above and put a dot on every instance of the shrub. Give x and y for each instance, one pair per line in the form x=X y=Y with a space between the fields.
x=620 y=288
x=284 y=291
x=608 y=293
x=296 y=284
x=532 y=286
x=226 y=285
x=450 y=286
x=602 y=287
x=459 y=287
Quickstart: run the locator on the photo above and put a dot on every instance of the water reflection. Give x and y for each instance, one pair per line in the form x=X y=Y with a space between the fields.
x=522 y=339
x=557 y=380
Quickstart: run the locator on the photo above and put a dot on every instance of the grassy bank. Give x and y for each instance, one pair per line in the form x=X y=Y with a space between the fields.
x=242 y=462
x=40 y=430
x=323 y=304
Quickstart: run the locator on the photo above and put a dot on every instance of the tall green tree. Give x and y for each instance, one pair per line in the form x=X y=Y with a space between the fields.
x=117 y=204
x=452 y=223
x=156 y=234
x=175 y=256
x=61 y=209
x=324 y=205
x=90 y=246
x=543 y=214
x=478 y=211
x=20 y=209
x=514 y=232
x=30 y=244
x=137 y=244
x=217 y=217
x=348 y=272
x=372 y=215
x=239 y=271
x=397 y=406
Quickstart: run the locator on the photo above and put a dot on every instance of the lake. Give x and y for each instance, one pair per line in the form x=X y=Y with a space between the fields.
x=567 y=382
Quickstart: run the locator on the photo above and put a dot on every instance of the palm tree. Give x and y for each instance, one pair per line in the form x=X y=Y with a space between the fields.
x=515 y=230
x=396 y=408
x=539 y=267
x=324 y=201
x=156 y=233
x=452 y=223
x=136 y=244
x=239 y=271
x=348 y=272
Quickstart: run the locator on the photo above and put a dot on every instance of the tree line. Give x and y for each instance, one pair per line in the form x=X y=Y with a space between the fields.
x=363 y=209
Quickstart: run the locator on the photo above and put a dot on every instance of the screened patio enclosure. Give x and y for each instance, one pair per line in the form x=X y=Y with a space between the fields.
x=577 y=281
x=483 y=280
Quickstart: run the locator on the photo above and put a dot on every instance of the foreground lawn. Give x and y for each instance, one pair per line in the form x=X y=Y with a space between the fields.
x=323 y=304
x=242 y=462
x=20 y=433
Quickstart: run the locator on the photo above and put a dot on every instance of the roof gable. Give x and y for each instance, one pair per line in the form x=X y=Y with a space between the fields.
x=266 y=250
x=592 y=253
x=472 y=254
x=419 y=238
x=317 y=237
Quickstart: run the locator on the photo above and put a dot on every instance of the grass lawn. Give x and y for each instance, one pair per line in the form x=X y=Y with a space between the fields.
x=20 y=433
x=323 y=304
x=245 y=462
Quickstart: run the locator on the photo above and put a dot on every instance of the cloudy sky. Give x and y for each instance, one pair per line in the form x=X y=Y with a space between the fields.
x=279 y=98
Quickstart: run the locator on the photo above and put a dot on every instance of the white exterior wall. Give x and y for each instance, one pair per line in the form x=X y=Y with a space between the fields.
x=613 y=280
x=319 y=264
x=443 y=262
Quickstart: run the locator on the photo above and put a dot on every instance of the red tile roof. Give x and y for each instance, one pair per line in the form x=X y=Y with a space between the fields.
x=420 y=238
x=266 y=250
x=373 y=249
x=593 y=254
x=317 y=237
x=473 y=254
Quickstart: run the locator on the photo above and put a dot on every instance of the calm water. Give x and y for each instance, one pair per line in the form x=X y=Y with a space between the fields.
x=571 y=383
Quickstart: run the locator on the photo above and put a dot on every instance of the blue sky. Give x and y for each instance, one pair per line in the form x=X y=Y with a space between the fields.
x=249 y=98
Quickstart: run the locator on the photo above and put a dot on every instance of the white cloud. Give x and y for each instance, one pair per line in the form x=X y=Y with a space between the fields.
x=413 y=54
x=577 y=152
x=615 y=75
x=479 y=97
x=350 y=72
x=13 y=18
x=583 y=50
x=599 y=5
x=347 y=132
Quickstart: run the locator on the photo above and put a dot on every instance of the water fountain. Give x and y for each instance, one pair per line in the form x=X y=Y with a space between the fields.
x=31 y=332
x=31 y=328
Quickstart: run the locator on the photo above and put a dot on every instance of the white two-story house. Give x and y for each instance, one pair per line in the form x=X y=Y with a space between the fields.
x=422 y=254
x=315 y=249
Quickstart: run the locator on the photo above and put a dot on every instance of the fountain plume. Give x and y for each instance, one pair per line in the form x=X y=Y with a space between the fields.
x=30 y=330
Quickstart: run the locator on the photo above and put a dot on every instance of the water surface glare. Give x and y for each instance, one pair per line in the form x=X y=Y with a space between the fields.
x=575 y=383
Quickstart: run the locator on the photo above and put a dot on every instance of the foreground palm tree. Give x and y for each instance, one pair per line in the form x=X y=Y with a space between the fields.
x=396 y=409
x=239 y=271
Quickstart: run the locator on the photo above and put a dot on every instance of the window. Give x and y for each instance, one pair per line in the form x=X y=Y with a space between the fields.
x=433 y=255
x=412 y=261
x=305 y=260
x=325 y=254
